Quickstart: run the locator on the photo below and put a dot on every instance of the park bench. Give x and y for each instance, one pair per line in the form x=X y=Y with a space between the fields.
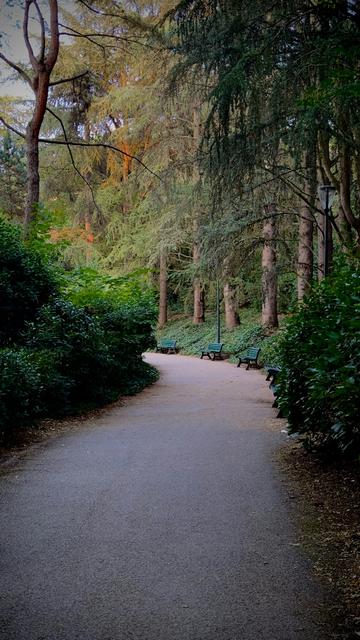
x=166 y=346
x=250 y=357
x=212 y=351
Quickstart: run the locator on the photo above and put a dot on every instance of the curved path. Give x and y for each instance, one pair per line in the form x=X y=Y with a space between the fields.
x=160 y=520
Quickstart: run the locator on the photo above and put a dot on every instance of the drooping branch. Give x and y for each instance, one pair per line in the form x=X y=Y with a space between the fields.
x=11 y=128
x=89 y=36
x=75 y=34
x=16 y=67
x=103 y=145
x=73 y=159
x=80 y=75
x=75 y=143
x=122 y=15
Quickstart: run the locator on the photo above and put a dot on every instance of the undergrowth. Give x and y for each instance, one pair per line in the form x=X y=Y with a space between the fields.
x=192 y=338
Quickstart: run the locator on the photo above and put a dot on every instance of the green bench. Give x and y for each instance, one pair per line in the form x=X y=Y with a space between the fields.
x=250 y=357
x=166 y=346
x=212 y=351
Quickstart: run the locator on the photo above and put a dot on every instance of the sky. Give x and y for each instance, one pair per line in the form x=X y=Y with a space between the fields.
x=12 y=43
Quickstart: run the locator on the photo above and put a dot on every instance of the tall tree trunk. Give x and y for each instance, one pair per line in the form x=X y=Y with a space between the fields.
x=163 y=291
x=306 y=230
x=33 y=177
x=269 y=274
x=230 y=299
x=199 y=302
x=346 y=230
x=198 y=289
x=231 y=314
x=42 y=66
x=305 y=252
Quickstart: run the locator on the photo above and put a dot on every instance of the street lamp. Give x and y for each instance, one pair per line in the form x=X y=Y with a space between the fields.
x=326 y=193
x=218 y=327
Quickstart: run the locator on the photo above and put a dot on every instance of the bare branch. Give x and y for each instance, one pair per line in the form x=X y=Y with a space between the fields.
x=73 y=143
x=77 y=34
x=103 y=145
x=19 y=70
x=11 y=128
x=42 y=26
x=73 y=160
x=122 y=15
x=56 y=82
x=32 y=58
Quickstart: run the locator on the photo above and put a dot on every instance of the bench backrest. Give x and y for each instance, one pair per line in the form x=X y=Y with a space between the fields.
x=253 y=353
x=168 y=344
x=215 y=347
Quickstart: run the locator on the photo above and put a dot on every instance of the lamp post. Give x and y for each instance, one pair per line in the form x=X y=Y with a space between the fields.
x=218 y=328
x=326 y=194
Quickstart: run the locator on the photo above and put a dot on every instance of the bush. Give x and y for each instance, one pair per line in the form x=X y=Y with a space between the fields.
x=61 y=357
x=20 y=388
x=320 y=352
x=77 y=343
x=91 y=356
x=26 y=283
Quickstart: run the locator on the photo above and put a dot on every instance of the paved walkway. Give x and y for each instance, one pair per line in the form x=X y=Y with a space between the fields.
x=159 y=520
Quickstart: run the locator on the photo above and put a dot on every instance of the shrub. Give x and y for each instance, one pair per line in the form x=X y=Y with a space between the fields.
x=320 y=351
x=77 y=343
x=97 y=353
x=270 y=350
x=20 y=388
x=61 y=357
x=26 y=283
x=250 y=337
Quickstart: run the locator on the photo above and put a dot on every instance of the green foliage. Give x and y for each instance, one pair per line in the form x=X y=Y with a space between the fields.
x=65 y=357
x=26 y=283
x=39 y=235
x=12 y=177
x=90 y=288
x=78 y=345
x=320 y=351
x=20 y=385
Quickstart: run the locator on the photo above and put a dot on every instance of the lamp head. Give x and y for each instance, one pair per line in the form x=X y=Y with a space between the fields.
x=326 y=194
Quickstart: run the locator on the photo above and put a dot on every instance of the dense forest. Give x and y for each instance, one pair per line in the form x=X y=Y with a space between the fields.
x=165 y=155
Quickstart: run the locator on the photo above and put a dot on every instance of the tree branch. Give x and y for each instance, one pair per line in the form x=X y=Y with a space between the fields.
x=56 y=82
x=77 y=34
x=42 y=25
x=73 y=160
x=19 y=70
x=32 y=58
x=11 y=128
x=122 y=15
x=104 y=145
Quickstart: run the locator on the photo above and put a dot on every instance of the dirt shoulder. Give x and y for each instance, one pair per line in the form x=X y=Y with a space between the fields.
x=326 y=506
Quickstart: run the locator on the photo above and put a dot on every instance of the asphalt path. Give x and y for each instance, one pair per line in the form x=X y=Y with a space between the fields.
x=163 y=519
